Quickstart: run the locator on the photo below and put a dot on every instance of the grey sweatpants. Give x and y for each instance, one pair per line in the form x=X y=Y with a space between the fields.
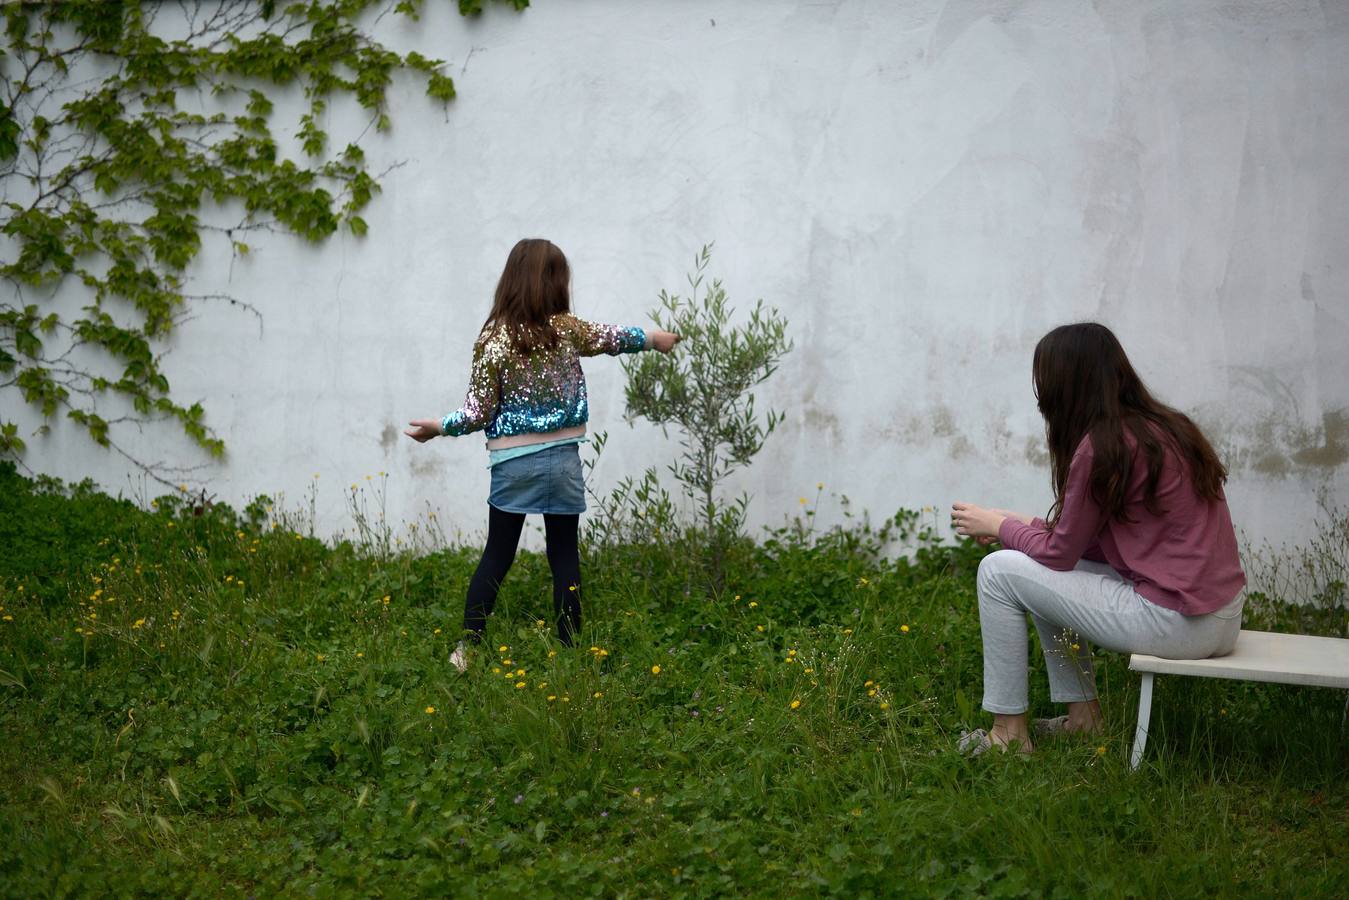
x=1092 y=603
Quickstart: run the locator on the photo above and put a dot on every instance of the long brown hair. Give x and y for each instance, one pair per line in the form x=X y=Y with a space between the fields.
x=534 y=287
x=1085 y=387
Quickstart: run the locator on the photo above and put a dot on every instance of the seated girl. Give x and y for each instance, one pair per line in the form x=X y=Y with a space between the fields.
x=1138 y=554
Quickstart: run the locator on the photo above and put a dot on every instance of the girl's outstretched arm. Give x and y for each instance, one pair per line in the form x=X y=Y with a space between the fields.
x=422 y=430
x=480 y=403
x=663 y=341
x=594 y=338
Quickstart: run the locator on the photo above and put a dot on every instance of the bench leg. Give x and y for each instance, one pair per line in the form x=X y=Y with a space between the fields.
x=1144 y=716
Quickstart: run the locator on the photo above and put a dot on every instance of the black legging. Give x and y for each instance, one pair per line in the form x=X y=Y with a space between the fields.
x=564 y=558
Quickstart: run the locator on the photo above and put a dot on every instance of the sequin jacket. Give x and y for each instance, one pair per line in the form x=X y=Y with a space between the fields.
x=510 y=394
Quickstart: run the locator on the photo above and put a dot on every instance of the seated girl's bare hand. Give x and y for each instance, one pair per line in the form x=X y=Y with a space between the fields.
x=976 y=521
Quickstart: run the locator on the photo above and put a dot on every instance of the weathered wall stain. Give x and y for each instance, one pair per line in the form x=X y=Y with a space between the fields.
x=1276 y=445
x=388 y=438
x=1036 y=453
x=935 y=427
x=1330 y=447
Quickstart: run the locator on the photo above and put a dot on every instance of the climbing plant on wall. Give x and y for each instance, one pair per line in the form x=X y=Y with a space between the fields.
x=122 y=124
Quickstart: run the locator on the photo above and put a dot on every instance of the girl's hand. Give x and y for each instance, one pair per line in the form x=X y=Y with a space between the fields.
x=976 y=522
x=1020 y=517
x=422 y=430
x=663 y=341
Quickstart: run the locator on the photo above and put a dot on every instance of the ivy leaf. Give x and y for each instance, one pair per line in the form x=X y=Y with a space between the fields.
x=9 y=135
x=357 y=226
x=440 y=87
x=10 y=442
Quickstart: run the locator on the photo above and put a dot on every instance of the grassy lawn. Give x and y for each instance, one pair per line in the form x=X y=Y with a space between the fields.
x=217 y=704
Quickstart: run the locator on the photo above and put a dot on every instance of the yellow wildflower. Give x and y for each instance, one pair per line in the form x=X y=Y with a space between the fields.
x=430 y=710
x=904 y=628
x=655 y=670
x=753 y=604
x=598 y=694
x=796 y=704
x=519 y=685
x=758 y=628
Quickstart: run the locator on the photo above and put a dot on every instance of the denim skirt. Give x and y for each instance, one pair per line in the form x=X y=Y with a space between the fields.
x=550 y=481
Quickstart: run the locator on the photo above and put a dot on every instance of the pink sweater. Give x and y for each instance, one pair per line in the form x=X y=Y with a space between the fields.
x=1185 y=559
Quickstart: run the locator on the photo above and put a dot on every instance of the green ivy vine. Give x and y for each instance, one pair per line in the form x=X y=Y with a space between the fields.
x=104 y=177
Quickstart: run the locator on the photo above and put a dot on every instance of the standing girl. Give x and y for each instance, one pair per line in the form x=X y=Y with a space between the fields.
x=1138 y=554
x=527 y=392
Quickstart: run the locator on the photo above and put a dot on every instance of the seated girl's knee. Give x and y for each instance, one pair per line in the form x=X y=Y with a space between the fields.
x=998 y=563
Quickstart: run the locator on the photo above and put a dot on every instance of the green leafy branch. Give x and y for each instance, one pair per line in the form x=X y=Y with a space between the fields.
x=706 y=389
x=121 y=124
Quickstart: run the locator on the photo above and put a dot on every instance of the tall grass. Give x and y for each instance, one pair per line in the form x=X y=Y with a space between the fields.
x=204 y=702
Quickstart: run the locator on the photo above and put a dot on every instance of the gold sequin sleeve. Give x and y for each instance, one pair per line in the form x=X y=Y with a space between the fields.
x=594 y=338
x=484 y=391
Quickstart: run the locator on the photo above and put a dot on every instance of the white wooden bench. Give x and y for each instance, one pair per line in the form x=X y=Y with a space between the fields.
x=1258 y=656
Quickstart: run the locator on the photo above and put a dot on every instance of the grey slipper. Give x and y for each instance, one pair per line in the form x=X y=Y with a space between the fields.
x=974 y=743
x=1049 y=727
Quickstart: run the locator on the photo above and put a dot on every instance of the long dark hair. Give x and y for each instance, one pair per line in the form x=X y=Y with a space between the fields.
x=535 y=285
x=1086 y=387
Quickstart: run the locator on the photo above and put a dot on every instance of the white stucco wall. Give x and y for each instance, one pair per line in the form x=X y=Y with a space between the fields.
x=923 y=188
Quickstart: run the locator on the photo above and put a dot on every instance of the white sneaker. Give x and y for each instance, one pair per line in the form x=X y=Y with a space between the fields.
x=459 y=658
